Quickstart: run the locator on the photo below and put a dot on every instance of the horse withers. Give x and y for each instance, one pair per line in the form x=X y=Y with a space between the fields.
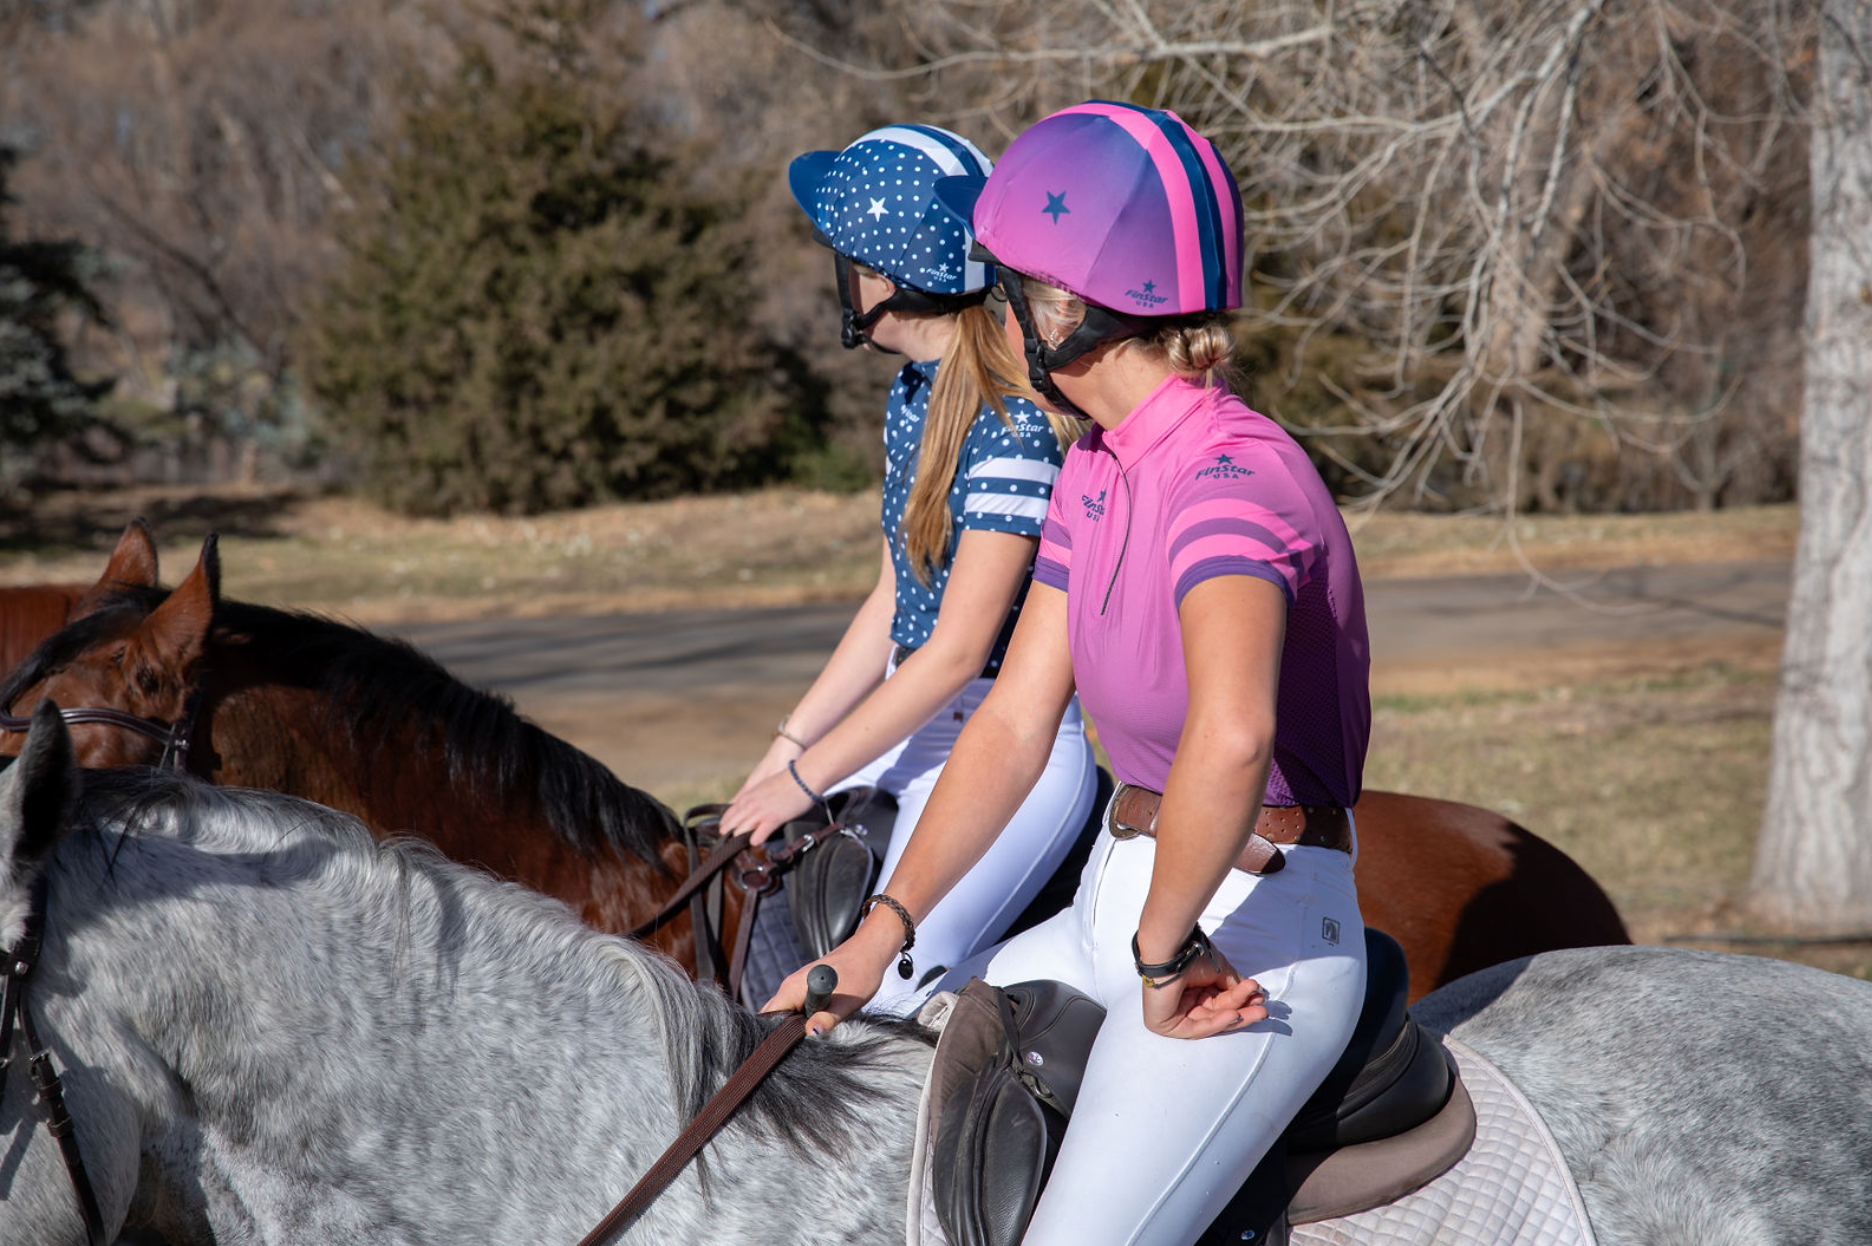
x=272 y=1028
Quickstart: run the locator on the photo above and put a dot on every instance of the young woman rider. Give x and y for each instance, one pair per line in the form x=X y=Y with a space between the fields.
x=1196 y=585
x=968 y=470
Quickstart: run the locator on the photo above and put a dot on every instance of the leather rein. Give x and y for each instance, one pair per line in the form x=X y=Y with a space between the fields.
x=754 y=870
x=21 y=958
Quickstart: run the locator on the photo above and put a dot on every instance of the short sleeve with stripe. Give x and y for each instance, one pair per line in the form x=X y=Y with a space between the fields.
x=1227 y=519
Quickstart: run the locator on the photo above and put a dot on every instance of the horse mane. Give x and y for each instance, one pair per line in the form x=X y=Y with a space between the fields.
x=372 y=687
x=703 y=1036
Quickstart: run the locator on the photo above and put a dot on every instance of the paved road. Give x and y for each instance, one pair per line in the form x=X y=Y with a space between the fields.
x=1415 y=622
x=680 y=702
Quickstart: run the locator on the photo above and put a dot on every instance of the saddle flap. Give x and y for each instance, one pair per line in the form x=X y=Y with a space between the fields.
x=995 y=1146
x=1053 y=1027
x=1006 y=1071
x=831 y=880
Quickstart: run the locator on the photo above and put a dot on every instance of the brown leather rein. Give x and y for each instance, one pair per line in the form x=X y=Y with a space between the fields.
x=715 y=1113
x=21 y=958
x=754 y=870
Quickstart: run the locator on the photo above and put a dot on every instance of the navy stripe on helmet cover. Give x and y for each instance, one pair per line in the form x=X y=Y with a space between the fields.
x=1208 y=211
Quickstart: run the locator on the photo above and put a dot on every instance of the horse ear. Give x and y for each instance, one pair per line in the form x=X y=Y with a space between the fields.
x=132 y=565
x=177 y=630
x=41 y=790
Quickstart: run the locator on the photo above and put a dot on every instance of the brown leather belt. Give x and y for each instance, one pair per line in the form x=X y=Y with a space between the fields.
x=1134 y=812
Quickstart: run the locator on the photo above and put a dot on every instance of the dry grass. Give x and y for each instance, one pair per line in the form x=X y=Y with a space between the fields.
x=775 y=547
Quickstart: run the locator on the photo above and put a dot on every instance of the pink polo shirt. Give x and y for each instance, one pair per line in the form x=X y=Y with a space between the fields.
x=1192 y=485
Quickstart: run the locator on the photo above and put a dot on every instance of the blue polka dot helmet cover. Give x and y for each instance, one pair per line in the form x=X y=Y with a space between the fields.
x=875 y=202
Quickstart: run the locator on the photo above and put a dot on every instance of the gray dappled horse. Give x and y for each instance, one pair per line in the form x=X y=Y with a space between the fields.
x=273 y=1029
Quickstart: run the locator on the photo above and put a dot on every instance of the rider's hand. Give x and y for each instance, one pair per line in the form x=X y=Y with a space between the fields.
x=764 y=807
x=1208 y=997
x=860 y=961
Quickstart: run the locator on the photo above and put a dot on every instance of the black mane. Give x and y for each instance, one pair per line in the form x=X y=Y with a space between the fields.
x=371 y=687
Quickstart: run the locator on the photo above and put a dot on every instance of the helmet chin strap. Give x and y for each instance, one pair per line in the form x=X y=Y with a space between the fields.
x=1100 y=325
x=855 y=326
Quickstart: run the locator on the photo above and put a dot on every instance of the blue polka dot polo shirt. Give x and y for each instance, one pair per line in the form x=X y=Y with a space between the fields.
x=1002 y=481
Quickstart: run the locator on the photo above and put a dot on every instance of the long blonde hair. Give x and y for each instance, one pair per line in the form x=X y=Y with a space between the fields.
x=977 y=366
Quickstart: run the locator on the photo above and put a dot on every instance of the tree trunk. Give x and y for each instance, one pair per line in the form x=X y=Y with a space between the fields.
x=1813 y=865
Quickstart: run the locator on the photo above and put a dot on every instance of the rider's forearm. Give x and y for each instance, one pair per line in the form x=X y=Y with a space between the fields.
x=855 y=668
x=995 y=763
x=894 y=710
x=1210 y=803
x=985 y=576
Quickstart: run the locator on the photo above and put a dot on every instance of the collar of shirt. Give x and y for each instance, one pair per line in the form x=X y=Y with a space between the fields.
x=1163 y=410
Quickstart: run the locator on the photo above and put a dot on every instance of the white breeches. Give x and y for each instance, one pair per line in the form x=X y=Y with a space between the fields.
x=1165 y=1130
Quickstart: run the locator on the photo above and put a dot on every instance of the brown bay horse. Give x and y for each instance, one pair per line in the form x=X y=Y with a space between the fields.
x=302 y=704
x=31 y=612
x=312 y=707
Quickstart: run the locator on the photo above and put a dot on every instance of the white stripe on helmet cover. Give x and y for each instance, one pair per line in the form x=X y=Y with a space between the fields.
x=975 y=274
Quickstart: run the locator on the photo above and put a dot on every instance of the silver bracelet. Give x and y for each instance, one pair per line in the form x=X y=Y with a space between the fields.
x=784 y=734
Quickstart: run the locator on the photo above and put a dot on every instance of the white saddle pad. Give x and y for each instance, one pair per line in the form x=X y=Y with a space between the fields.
x=1511 y=1189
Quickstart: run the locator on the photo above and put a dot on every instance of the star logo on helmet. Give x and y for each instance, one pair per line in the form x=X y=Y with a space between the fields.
x=876 y=210
x=1149 y=286
x=1056 y=206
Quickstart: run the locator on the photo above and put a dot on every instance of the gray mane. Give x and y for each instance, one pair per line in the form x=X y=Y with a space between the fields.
x=295 y=987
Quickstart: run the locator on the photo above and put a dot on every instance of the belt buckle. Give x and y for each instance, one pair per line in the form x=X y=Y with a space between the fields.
x=1122 y=830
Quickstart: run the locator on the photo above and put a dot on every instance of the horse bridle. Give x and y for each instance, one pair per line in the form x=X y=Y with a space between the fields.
x=20 y=959
x=175 y=737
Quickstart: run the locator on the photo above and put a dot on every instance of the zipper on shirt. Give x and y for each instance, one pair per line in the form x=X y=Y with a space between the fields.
x=1124 y=542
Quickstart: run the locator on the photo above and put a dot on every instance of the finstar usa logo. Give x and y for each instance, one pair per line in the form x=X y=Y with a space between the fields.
x=1224 y=469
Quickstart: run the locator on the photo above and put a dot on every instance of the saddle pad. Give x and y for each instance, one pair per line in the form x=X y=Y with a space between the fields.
x=1511 y=1189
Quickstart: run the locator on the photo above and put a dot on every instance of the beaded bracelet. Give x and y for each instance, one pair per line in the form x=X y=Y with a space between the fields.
x=811 y=795
x=1167 y=971
x=904 y=966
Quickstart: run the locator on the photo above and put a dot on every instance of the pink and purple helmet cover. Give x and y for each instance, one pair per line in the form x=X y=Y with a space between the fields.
x=1126 y=207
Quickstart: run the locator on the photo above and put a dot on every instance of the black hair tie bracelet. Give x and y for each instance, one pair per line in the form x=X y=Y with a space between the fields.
x=904 y=967
x=1167 y=971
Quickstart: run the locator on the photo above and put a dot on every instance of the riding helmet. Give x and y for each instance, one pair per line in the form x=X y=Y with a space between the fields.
x=875 y=202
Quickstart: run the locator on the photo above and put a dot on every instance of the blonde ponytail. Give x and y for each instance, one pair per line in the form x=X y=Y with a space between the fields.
x=977 y=366
x=1198 y=347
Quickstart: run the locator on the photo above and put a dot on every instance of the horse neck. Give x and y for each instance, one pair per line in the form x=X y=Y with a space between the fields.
x=435 y=1025
x=264 y=735
x=263 y=727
